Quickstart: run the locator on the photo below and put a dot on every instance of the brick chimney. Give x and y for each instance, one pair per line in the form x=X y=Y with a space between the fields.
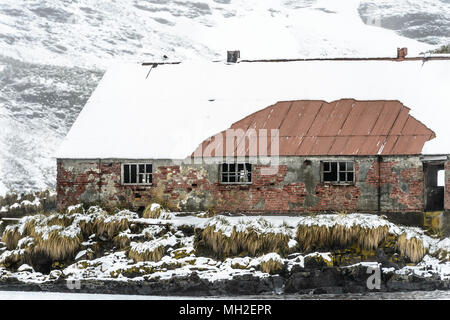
x=401 y=53
x=233 y=56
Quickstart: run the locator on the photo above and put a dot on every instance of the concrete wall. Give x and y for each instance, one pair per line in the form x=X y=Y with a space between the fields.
x=295 y=187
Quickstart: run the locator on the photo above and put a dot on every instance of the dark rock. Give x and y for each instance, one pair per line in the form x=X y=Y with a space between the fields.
x=315 y=262
x=329 y=280
x=383 y=259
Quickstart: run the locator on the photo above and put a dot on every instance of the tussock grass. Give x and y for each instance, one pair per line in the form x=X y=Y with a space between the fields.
x=62 y=220
x=58 y=237
x=315 y=238
x=312 y=238
x=214 y=243
x=99 y=222
x=21 y=204
x=137 y=254
x=412 y=248
x=152 y=211
x=110 y=227
x=57 y=246
x=271 y=266
x=122 y=241
x=16 y=258
x=11 y=237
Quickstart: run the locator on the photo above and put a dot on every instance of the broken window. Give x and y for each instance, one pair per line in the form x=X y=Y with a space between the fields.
x=236 y=173
x=338 y=171
x=137 y=173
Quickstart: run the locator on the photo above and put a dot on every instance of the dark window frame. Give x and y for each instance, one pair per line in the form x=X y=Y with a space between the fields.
x=344 y=169
x=235 y=172
x=143 y=176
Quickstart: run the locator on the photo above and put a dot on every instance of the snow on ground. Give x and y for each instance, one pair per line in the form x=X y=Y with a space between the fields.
x=413 y=295
x=424 y=20
x=23 y=295
x=180 y=258
x=3 y=189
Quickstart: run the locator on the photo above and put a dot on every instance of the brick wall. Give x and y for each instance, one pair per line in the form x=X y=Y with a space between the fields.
x=402 y=186
x=295 y=187
x=447 y=187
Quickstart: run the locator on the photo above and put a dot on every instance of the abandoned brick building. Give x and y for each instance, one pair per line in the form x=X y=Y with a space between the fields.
x=312 y=136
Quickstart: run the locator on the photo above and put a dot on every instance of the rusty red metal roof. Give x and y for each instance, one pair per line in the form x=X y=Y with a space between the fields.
x=315 y=127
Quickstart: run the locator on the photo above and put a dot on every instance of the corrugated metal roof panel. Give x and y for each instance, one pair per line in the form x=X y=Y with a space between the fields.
x=371 y=145
x=409 y=144
x=400 y=121
x=343 y=127
x=337 y=117
x=387 y=118
x=322 y=145
x=367 y=119
x=389 y=145
x=306 y=146
x=338 y=145
x=300 y=117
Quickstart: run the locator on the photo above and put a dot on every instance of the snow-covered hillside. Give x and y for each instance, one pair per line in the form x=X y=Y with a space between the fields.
x=53 y=53
x=424 y=20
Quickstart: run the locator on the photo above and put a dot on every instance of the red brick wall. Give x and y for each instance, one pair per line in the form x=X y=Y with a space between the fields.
x=447 y=187
x=190 y=188
x=410 y=199
x=394 y=175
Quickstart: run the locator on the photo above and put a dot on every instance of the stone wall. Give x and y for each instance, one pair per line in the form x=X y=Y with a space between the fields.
x=295 y=187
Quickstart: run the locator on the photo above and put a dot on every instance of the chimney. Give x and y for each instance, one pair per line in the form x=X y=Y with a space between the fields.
x=233 y=56
x=401 y=53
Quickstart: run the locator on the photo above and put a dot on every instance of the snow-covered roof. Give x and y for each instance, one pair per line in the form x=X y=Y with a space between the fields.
x=141 y=111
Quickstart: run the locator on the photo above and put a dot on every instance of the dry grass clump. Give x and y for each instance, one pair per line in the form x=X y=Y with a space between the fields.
x=153 y=250
x=15 y=258
x=35 y=239
x=11 y=236
x=313 y=238
x=152 y=211
x=213 y=242
x=62 y=220
x=23 y=204
x=58 y=237
x=138 y=253
x=58 y=245
x=78 y=208
x=13 y=233
x=110 y=227
x=271 y=266
x=122 y=241
x=99 y=222
x=412 y=248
